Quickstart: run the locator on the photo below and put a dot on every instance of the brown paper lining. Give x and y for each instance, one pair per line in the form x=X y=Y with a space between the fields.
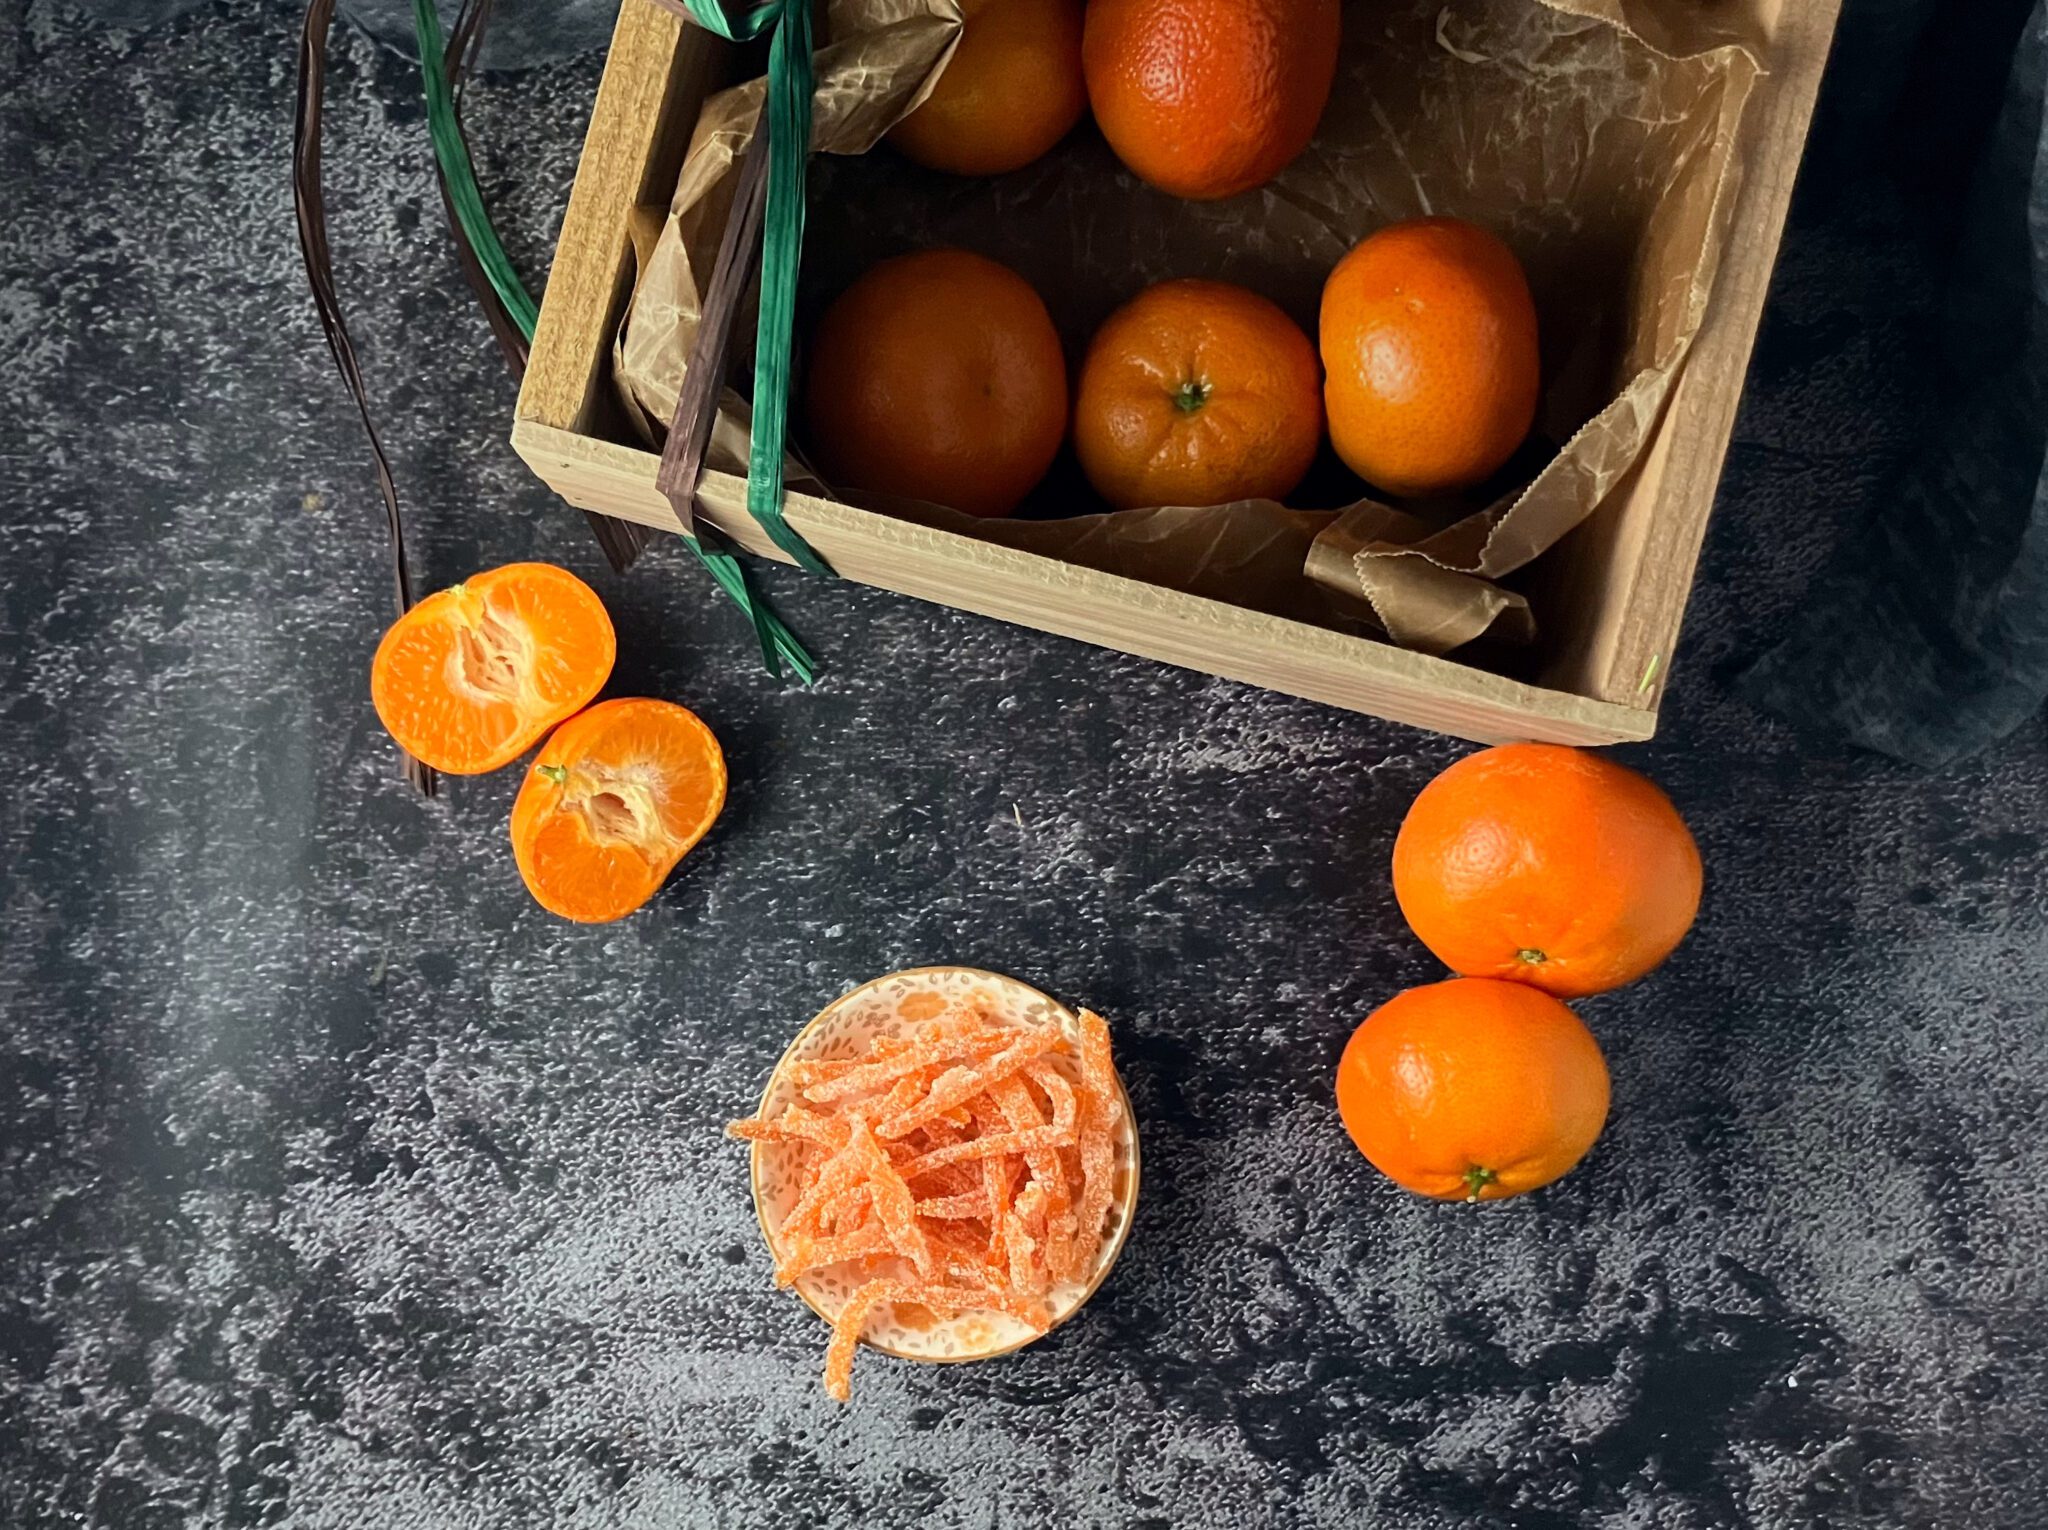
x=1598 y=137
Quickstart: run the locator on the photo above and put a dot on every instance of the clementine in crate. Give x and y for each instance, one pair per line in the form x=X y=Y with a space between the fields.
x=1197 y=393
x=614 y=799
x=1547 y=865
x=1473 y=1089
x=1010 y=92
x=1208 y=98
x=1429 y=344
x=473 y=676
x=938 y=376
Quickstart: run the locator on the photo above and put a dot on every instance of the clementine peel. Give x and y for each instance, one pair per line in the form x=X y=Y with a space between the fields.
x=1197 y=393
x=938 y=376
x=1547 y=865
x=1011 y=91
x=1429 y=347
x=1209 y=98
x=1472 y=1089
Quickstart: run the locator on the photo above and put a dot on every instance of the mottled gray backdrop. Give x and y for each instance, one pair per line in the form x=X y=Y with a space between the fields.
x=345 y=1188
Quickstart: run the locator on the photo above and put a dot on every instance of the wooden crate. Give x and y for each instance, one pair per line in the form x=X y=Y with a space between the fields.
x=1624 y=575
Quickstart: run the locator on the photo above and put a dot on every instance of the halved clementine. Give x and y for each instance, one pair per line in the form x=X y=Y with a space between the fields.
x=474 y=676
x=614 y=799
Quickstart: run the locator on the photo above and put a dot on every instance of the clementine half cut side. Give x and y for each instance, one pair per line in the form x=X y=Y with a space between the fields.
x=474 y=675
x=1209 y=98
x=1429 y=345
x=1547 y=865
x=1197 y=393
x=1472 y=1089
x=614 y=799
x=1010 y=92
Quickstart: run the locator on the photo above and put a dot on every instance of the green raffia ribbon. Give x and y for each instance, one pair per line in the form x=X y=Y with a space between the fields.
x=452 y=150
x=779 y=645
x=786 y=118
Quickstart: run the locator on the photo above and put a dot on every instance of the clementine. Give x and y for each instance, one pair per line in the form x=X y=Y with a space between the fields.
x=474 y=675
x=1010 y=92
x=1472 y=1089
x=1197 y=393
x=1209 y=98
x=938 y=376
x=1429 y=342
x=617 y=795
x=1546 y=865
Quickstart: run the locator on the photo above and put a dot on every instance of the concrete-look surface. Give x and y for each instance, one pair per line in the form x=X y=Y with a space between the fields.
x=343 y=1187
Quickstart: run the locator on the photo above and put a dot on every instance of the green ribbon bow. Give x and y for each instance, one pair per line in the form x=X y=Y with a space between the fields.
x=787 y=117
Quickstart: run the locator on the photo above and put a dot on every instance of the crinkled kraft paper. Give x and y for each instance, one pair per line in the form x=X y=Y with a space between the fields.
x=1598 y=137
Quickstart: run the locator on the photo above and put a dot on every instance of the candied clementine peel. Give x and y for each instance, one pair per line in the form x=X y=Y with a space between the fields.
x=967 y=1167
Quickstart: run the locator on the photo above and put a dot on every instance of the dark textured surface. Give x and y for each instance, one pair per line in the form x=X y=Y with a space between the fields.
x=343 y=1187
x=1928 y=636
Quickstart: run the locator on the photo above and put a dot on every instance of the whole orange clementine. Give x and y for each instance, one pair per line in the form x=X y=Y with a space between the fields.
x=1010 y=92
x=938 y=376
x=1197 y=393
x=1549 y=866
x=1208 y=98
x=1429 y=343
x=1472 y=1090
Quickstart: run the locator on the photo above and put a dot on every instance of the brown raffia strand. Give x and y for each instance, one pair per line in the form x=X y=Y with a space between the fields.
x=310 y=201
x=622 y=541
x=739 y=249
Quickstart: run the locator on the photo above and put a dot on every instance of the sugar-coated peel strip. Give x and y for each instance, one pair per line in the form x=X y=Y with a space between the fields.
x=962 y=1084
x=819 y=1070
x=838 y=1175
x=947 y=1300
x=794 y=1125
x=1047 y=1175
x=893 y=1202
x=906 y=1092
x=867 y=1076
x=847 y=1329
x=1063 y=1222
x=927 y=1170
x=1101 y=1104
x=964 y=1206
x=808 y=1254
x=982 y=1147
x=1024 y=1236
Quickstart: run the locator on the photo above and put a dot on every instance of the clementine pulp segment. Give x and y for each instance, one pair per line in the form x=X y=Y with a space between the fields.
x=472 y=677
x=613 y=800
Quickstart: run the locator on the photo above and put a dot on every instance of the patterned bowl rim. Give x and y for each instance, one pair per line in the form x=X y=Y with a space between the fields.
x=1127 y=1203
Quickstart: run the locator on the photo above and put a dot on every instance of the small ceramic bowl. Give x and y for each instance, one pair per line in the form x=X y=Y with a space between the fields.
x=890 y=1006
